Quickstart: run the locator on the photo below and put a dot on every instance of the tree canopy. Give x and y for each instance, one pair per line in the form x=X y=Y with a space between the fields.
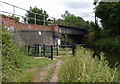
x=40 y=16
x=72 y=20
x=109 y=13
x=108 y=38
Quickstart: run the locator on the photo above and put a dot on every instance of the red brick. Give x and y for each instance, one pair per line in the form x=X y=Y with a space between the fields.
x=10 y=22
x=21 y=26
x=7 y=21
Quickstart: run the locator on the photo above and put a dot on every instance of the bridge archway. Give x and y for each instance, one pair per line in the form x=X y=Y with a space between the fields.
x=78 y=39
x=71 y=35
x=71 y=39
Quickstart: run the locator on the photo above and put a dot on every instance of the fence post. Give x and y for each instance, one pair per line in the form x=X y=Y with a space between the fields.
x=51 y=52
x=38 y=49
x=57 y=49
x=43 y=50
x=35 y=50
x=28 y=49
x=73 y=49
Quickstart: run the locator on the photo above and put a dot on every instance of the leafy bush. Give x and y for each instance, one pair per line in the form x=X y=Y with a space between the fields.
x=12 y=57
x=83 y=68
x=109 y=44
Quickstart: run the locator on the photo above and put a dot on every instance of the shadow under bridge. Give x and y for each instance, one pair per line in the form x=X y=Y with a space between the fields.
x=70 y=35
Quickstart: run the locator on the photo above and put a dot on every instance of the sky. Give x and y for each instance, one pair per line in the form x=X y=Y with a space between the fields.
x=54 y=8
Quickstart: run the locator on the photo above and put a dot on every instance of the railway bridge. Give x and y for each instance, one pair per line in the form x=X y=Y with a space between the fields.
x=31 y=34
x=70 y=35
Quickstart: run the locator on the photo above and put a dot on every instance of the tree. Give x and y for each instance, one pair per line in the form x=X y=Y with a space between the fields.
x=109 y=13
x=35 y=13
x=17 y=19
x=108 y=38
x=72 y=20
x=66 y=14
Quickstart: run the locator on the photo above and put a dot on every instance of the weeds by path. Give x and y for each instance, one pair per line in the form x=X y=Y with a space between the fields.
x=83 y=68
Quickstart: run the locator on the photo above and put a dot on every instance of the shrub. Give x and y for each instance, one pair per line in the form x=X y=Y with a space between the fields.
x=12 y=57
x=108 y=44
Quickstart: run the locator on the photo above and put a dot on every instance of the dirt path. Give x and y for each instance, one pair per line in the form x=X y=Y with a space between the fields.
x=44 y=73
x=40 y=77
x=55 y=74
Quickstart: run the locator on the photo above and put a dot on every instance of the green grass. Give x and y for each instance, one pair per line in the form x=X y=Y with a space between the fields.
x=27 y=72
x=63 y=52
x=83 y=68
x=119 y=73
x=49 y=75
x=30 y=70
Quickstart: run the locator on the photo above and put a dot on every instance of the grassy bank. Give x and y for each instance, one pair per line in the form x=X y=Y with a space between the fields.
x=25 y=73
x=83 y=68
x=33 y=66
x=16 y=65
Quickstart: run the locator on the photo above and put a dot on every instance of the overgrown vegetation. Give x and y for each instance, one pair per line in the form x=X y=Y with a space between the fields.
x=16 y=65
x=103 y=43
x=107 y=38
x=84 y=68
x=109 y=14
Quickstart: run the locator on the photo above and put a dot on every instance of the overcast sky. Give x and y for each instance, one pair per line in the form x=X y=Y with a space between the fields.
x=54 y=8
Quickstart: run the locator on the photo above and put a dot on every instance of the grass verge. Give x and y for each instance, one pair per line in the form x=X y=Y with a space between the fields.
x=83 y=68
x=33 y=66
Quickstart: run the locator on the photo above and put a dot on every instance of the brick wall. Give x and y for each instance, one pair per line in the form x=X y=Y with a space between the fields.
x=7 y=21
x=33 y=37
x=30 y=32
x=0 y=20
x=10 y=22
x=53 y=27
x=56 y=29
x=21 y=26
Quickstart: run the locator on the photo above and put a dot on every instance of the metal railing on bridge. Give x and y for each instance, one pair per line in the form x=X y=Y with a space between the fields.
x=22 y=17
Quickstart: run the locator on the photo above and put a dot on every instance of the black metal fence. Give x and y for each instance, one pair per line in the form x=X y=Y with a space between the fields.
x=41 y=50
x=50 y=50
